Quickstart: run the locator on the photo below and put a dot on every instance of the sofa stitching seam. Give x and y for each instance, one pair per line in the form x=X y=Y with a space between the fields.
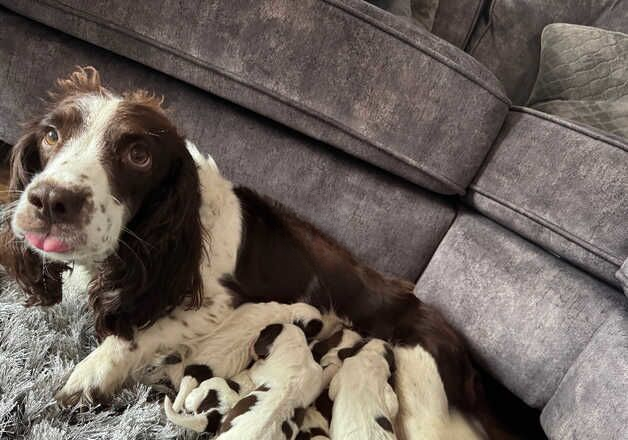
x=596 y=250
x=581 y=130
x=394 y=154
x=429 y=52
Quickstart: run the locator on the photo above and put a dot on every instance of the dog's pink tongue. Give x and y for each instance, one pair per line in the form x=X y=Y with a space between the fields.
x=53 y=244
x=48 y=244
x=36 y=240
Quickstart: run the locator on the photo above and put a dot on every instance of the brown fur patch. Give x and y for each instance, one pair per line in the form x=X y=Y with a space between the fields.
x=198 y=372
x=345 y=353
x=312 y=328
x=213 y=422
x=299 y=415
x=265 y=340
x=286 y=429
x=324 y=404
x=384 y=423
x=241 y=407
x=210 y=401
x=323 y=347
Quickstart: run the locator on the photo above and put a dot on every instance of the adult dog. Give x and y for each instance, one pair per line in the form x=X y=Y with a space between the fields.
x=106 y=181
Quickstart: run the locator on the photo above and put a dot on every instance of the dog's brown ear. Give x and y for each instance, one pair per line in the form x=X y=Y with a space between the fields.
x=157 y=266
x=41 y=281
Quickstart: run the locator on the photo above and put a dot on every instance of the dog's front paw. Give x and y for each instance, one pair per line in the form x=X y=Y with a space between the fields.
x=93 y=381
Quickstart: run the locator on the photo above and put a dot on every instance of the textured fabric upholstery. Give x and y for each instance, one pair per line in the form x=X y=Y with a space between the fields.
x=347 y=198
x=591 y=402
x=526 y=313
x=561 y=186
x=456 y=19
x=343 y=112
x=344 y=72
x=583 y=77
x=507 y=39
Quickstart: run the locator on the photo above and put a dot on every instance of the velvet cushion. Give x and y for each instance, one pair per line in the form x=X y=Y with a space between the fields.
x=507 y=38
x=583 y=77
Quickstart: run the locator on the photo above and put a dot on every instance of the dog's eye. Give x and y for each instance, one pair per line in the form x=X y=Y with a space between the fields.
x=139 y=156
x=51 y=138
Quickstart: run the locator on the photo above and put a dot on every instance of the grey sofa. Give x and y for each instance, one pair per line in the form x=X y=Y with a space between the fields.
x=402 y=146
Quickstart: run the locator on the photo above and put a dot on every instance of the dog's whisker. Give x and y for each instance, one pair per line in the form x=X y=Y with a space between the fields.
x=137 y=237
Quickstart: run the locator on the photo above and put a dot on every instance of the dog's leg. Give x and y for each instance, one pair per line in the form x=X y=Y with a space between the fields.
x=105 y=369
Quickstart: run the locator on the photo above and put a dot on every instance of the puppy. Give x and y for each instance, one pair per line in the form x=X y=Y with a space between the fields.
x=227 y=351
x=287 y=380
x=364 y=402
x=326 y=352
x=205 y=405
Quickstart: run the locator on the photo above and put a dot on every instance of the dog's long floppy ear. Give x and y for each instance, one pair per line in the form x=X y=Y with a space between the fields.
x=157 y=266
x=40 y=280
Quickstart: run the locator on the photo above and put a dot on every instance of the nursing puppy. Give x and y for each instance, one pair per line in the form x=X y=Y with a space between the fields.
x=287 y=380
x=228 y=350
x=326 y=352
x=365 y=404
x=205 y=406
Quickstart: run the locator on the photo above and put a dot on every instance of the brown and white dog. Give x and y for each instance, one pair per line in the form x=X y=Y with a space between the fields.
x=107 y=182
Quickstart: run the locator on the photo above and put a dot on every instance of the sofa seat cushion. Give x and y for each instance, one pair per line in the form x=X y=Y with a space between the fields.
x=527 y=314
x=345 y=72
x=591 y=402
x=507 y=38
x=350 y=200
x=560 y=185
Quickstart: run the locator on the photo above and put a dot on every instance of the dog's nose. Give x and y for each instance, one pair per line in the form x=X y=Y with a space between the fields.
x=55 y=203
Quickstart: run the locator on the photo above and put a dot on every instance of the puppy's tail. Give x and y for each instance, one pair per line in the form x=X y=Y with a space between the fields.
x=196 y=422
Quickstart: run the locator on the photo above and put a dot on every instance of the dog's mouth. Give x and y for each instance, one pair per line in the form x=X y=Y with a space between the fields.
x=49 y=243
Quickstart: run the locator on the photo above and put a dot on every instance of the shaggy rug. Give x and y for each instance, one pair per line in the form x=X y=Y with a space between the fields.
x=38 y=349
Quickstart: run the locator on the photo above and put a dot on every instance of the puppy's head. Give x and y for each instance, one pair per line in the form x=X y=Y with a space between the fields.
x=102 y=178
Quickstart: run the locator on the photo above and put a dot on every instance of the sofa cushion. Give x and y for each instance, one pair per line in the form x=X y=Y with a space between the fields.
x=456 y=19
x=350 y=200
x=507 y=39
x=583 y=77
x=527 y=314
x=345 y=72
x=591 y=402
x=560 y=185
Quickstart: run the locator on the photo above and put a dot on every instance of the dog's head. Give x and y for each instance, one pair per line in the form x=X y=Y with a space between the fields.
x=106 y=180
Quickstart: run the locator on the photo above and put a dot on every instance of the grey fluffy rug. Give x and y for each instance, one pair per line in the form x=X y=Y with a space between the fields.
x=38 y=349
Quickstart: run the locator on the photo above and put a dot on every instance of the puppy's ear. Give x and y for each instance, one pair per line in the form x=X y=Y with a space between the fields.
x=265 y=340
x=345 y=353
x=157 y=266
x=41 y=281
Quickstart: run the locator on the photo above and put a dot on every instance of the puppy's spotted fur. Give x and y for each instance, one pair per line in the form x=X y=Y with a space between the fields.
x=287 y=379
x=365 y=404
